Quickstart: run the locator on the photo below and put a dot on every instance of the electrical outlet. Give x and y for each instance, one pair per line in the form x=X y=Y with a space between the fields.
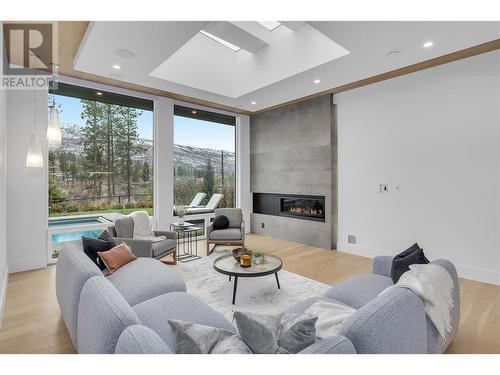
x=351 y=238
x=262 y=225
x=384 y=188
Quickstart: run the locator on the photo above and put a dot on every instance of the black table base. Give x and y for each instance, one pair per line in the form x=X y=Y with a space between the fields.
x=235 y=285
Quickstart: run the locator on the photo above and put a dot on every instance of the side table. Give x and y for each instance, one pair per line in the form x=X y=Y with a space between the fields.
x=187 y=244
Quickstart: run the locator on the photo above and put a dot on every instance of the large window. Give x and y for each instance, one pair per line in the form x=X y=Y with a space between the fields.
x=204 y=159
x=105 y=160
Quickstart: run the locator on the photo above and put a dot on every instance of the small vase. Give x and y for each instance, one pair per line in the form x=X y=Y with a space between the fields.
x=257 y=260
x=181 y=220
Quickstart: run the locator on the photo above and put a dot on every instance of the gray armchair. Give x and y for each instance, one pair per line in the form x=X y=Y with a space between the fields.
x=234 y=235
x=123 y=231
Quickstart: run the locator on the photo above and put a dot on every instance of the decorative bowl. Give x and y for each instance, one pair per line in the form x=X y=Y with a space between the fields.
x=237 y=253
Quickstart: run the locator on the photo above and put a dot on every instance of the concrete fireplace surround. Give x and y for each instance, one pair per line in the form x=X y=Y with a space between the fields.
x=293 y=150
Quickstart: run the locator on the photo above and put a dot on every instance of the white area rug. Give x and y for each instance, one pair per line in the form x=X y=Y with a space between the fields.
x=259 y=294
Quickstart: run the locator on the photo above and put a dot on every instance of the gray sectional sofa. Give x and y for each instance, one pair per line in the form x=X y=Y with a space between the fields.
x=128 y=311
x=394 y=322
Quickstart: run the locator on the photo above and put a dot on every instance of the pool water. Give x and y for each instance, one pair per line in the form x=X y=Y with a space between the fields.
x=58 y=223
x=75 y=236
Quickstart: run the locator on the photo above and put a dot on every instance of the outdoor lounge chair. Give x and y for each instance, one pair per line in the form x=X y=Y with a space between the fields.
x=212 y=204
x=198 y=198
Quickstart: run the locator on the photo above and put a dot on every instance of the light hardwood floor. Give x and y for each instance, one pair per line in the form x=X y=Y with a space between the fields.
x=32 y=321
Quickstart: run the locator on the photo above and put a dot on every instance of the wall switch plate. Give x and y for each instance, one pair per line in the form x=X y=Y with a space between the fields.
x=384 y=188
x=262 y=225
x=351 y=238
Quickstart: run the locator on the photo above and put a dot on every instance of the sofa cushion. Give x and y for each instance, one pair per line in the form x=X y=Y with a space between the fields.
x=389 y=324
x=359 y=290
x=146 y=278
x=103 y=314
x=163 y=247
x=331 y=345
x=137 y=339
x=124 y=227
x=156 y=312
x=226 y=234
x=73 y=270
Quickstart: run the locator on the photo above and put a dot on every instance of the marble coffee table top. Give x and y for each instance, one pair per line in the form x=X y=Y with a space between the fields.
x=227 y=265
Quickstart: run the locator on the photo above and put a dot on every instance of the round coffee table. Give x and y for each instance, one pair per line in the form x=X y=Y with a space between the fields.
x=227 y=265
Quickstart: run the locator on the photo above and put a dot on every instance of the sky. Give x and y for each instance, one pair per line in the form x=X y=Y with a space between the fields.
x=187 y=131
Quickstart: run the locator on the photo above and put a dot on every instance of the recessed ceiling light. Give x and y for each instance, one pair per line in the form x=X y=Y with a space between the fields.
x=394 y=52
x=98 y=93
x=428 y=44
x=253 y=103
x=270 y=25
x=193 y=112
x=125 y=53
x=116 y=66
x=221 y=41
x=316 y=81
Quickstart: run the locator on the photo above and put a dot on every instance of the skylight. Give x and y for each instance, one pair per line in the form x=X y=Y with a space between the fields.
x=270 y=25
x=221 y=41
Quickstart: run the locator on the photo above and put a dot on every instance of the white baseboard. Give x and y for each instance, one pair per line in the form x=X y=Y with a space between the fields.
x=4 y=278
x=478 y=274
x=465 y=272
x=27 y=264
x=363 y=251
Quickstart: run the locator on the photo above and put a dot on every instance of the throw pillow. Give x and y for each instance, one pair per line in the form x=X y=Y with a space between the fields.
x=92 y=246
x=221 y=222
x=105 y=236
x=401 y=262
x=282 y=333
x=117 y=257
x=195 y=338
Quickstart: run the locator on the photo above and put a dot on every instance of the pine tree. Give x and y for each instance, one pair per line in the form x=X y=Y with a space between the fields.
x=146 y=174
x=126 y=144
x=208 y=179
x=92 y=143
x=109 y=128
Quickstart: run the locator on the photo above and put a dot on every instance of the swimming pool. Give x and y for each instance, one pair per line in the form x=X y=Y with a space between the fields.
x=67 y=222
x=68 y=231
x=74 y=236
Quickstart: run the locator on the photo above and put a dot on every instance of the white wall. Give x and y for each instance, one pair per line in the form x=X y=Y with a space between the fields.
x=435 y=134
x=26 y=187
x=3 y=187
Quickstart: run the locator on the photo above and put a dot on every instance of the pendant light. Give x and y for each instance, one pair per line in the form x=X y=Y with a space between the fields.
x=34 y=159
x=54 y=128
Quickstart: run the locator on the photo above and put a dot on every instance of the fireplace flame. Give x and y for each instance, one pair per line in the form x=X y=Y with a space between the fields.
x=306 y=211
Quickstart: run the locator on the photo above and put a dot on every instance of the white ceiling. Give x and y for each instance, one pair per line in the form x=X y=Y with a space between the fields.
x=272 y=67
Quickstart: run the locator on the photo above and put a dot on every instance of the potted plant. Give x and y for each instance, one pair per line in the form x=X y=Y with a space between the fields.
x=258 y=257
x=180 y=211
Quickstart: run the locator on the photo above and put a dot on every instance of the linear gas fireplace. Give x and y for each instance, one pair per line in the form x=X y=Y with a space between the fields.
x=303 y=207
x=308 y=207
